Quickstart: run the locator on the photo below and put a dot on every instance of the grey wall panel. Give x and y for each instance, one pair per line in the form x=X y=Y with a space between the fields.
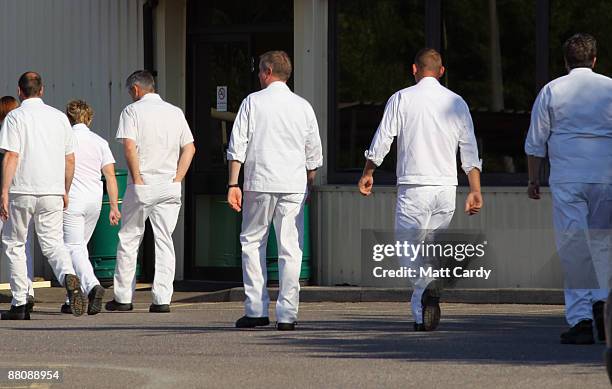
x=523 y=254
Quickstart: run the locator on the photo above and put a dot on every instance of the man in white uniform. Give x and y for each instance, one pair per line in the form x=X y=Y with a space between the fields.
x=92 y=157
x=430 y=123
x=158 y=148
x=276 y=136
x=38 y=167
x=571 y=121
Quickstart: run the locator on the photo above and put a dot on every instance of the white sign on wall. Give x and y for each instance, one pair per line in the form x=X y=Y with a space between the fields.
x=222 y=98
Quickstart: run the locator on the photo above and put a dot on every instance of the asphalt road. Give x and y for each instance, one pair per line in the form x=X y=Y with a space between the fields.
x=353 y=345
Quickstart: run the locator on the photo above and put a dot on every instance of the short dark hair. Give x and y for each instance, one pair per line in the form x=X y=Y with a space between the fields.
x=142 y=78
x=30 y=84
x=579 y=51
x=428 y=59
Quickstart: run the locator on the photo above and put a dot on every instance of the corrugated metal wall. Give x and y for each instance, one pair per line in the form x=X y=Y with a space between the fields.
x=82 y=48
x=523 y=254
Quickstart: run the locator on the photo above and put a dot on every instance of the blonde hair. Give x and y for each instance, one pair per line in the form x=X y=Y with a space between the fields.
x=278 y=62
x=78 y=111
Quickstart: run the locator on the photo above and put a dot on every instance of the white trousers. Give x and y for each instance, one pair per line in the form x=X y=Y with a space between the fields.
x=4 y=268
x=79 y=223
x=286 y=211
x=582 y=217
x=161 y=204
x=46 y=211
x=420 y=212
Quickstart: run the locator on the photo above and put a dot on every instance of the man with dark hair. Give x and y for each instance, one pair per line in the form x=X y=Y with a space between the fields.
x=158 y=147
x=430 y=123
x=276 y=137
x=571 y=121
x=38 y=168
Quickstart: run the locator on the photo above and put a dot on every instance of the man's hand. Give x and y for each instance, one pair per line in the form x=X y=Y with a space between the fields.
x=473 y=203
x=114 y=216
x=65 y=201
x=234 y=198
x=4 y=206
x=533 y=190
x=366 y=182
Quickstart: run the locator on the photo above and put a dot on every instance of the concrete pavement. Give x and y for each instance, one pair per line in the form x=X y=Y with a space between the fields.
x=357 y=345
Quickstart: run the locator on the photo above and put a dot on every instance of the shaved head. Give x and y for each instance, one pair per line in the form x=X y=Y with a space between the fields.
x=428 y=60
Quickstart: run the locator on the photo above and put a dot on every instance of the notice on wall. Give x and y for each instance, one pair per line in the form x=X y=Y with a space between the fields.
x=222 y=98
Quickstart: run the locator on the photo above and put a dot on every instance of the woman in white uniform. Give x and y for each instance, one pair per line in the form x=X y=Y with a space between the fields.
x=7 y=104
x=93 y=156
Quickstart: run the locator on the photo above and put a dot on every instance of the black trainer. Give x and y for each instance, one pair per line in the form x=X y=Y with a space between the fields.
x=30 y=304
x=115 y=306
x=252 y=322
x=95 y=296
x=598 y=318
x=159 y=308
x=430 y=303
x=66 y=309
x=19 y=312
x=608 y=359
x=286 y=326
x=581 y=333
x=73 y=289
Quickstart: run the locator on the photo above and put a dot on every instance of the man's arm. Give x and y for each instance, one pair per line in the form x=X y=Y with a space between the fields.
x=367 y=178
x=473 y=202
x=536 y=141
x=187 y=153
x=9 y=166
x=533 y=167
x=234 y=194
x=68 y=176
x=131 y=157
x=113 y=193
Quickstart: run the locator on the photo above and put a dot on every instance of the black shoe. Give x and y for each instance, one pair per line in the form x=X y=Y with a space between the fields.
x=252 y=322
x=608 y=359
x=30 y=304
x=286 y=326
x=19 y=312
x=430 y=304
x=115 y=306
x=581 y=333
x=73 y=287
x=159 y=308
x=66 y=309
x=95 y=296
x=598 y=318
x=419 y=327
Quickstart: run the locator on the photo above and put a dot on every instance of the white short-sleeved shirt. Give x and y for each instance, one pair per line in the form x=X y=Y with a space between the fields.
x=42 y=136
x=431 y=123
x=92 y=153
x=276 y=136
x=160 y=130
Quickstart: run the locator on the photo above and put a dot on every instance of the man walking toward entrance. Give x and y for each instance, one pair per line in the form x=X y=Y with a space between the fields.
x=276 y=137
x=430 y=123
x=158 y=147
x=571 y=121
x=38 y=167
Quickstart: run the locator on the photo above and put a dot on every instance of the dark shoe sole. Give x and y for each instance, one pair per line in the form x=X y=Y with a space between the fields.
x=113 y=306
x=431 y=310
x=608 y=360
x=77 y=302
x=256 y=322
x=66 y=309
x=285 y=326
x=30 y=304
x=95 y=304
x=159 y=308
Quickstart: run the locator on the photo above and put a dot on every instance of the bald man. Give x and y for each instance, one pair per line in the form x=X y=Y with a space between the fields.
x=430 y=123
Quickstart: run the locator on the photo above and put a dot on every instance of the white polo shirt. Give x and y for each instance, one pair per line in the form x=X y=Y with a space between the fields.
x=42 y=137
x=571 y=121
x=430 y=123
x=92 y=153
x=276 y=136
x=160 y=131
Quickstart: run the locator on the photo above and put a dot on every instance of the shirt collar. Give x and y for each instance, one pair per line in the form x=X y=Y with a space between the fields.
x=80 y=127
x=150 y=96
x=32 y=100
x=581 y=70
x=429 y=80
x=278 y=84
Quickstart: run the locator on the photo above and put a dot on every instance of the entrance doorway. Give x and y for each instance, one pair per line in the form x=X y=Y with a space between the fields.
x=224 y=41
